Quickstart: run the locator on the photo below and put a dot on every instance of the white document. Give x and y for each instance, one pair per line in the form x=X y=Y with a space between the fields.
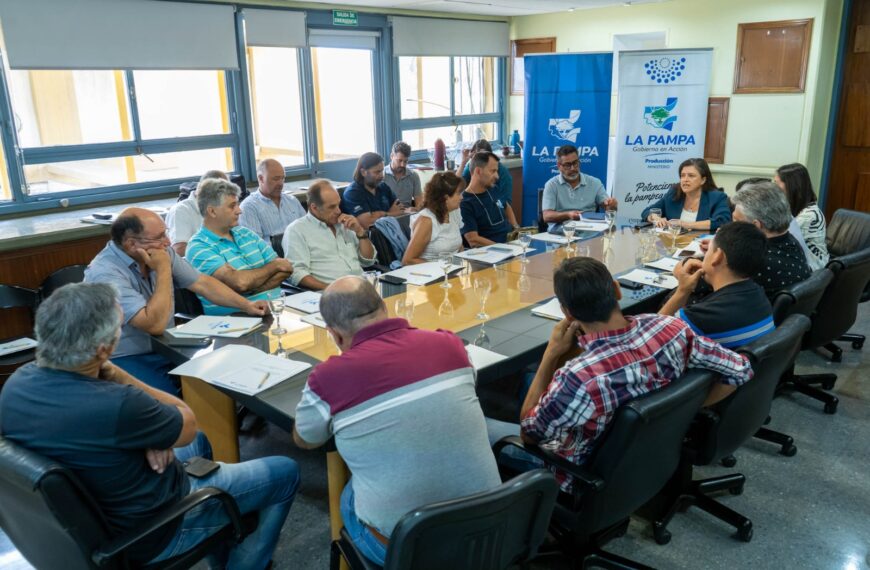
x=694 y=248
x=482 y=357
x=665 y=264
x=315 y=320
x=241 y=368
x=588 y=225
x=491 y=253
x=306 y=302
x=550 y=310
x=422 y=273
x=552 y=238
x=209 y=325
x=90 y=219
x=644 y=277
x=17 y=345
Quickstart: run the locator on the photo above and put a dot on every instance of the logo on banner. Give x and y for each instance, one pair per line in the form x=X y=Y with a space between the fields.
x=665 y=69
x=564 y=129
x=661 y=117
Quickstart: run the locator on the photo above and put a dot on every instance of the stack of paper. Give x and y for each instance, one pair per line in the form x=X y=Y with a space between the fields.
x=588 y=225
x=17 y=345
x=482 y=357
x=206 y=325
x=645 y=277
x=315 y=320
x=241 y=368
x=552 y=309
x=665 y=264
x=491 y=253
x=306 y=302
x=422 y=273
x=553 y=238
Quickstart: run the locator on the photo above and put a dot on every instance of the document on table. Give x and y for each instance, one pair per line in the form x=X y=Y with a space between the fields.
x=588 y=225
x=305 y=302
x=17 y=345
x=241 y=368
x=482 y=357
x=210 y=325
x=315 y=320
x=550 y=310
x=694 y=248
x=665 y=264
x=645 y=277
x=553 y=238
x=422 y=273
x=491 y=253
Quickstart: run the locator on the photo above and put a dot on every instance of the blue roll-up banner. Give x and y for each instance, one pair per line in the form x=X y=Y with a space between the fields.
x=567 y=102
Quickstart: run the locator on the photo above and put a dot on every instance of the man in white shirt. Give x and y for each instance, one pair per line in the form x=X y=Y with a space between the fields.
x=326 y=244
x=268 y=211
x=183 y=219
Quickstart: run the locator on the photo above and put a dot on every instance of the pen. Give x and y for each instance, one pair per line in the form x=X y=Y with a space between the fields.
x=263 y=381
x=233 y=330
x=421 y=274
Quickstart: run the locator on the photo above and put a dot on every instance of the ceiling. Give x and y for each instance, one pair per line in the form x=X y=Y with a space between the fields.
x=488 y=7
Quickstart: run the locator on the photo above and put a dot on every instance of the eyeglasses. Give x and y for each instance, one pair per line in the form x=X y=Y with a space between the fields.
x=574 y=164
x=159 y=238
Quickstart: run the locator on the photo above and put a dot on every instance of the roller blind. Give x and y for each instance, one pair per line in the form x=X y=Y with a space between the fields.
x=118 y=34
x=343 y=39
x=274 y=28
x=440 y=37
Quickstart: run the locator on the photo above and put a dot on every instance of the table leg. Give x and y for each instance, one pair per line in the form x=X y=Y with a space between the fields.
x=215 y=415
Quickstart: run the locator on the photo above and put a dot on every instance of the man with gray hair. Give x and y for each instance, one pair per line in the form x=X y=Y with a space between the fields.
x=764 y=205
x=126 y=442
x=183 y=218
x=326 y=244
x=410 y=429
x=230 y=253
x=269 y=211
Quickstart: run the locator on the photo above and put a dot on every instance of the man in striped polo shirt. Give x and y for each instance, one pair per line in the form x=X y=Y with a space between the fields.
x=231 y=253
x=737 y=311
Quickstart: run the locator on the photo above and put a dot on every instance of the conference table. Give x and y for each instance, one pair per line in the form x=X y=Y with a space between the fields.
x=511 y=330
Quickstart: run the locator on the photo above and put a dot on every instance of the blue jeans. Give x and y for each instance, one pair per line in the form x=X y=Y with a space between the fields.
x=362 y=537
x=267 y=486
x=150 y=368
x=511 y=456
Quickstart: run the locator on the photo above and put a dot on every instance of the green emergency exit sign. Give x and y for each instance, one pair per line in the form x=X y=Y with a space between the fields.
x=344 y=18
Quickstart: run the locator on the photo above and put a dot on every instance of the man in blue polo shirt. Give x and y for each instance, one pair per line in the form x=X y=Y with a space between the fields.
x=570 y=193
x=232 y=253
x=368 y=198
x=485 y=216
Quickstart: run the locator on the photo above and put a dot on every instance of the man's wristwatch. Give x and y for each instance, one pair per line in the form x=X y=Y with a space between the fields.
x=364 y=235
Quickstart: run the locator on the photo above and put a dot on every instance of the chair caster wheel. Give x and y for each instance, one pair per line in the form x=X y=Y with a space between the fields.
x=828 y=384
x=831 y=407
x=737 y=490
x=728 y=461
x=744 y=533
x=837 y=357
x=662 y=535
x=788 y=450
x=858 y=344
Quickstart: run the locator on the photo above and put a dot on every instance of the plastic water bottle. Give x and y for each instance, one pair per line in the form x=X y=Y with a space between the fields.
x=515 y=142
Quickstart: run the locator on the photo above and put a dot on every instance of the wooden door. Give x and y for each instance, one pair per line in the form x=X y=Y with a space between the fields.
x=849 y=175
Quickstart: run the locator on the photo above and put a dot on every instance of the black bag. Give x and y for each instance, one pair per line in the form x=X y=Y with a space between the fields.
x=186 y=188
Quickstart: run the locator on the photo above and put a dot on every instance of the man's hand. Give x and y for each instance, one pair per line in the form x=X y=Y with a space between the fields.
x=705 y=244
x=258 y=308
x=283 y=265
x=563 y=338
x=159 y=459
x=156 y=259
x=688 y=273
x=609 y=203
x=351 y=223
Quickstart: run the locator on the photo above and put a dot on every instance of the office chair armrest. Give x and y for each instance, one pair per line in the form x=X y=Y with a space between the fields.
x=581 y=476
x=288 y=287
x=108 y=551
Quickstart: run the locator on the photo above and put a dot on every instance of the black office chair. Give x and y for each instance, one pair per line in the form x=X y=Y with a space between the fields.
x=494 y=529
x=276 y=242
x=55 y=522
x=849 y=232
x=61 y=277
x=187 y=304
x=14 y=297
x=720 y=430
x=637 y=455
x=542 y=225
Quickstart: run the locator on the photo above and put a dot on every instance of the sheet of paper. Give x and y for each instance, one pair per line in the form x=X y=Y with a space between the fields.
x=315 y=320
x=422 y=273
x=588 y=225
x=210 y=325
x=660 y=280
x=305 y=302
x=550 y=310
x=553 y=238
x=92 y=220
x=482 y=357
x=17 y=345
x=491 y=253
x=665 y=264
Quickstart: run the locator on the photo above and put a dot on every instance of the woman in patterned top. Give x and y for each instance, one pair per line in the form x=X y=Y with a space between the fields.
x=795 y=182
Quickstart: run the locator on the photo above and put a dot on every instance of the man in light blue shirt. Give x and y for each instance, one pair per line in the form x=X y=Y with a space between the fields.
x=570 y=193
x=268 y=211
x=230 y=253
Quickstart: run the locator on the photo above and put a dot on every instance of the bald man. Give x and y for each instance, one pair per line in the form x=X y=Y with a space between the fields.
x=268 y=211
x=145 y=270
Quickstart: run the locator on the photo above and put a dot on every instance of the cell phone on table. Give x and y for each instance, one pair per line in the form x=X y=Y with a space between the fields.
x=643 y=225
x=196 y=342
x=392 y=279
x=633 y=285
x=687 y=253
x=200 y=467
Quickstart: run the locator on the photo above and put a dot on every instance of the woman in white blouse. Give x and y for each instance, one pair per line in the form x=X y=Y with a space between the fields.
x=436 y=228
x=795 y=182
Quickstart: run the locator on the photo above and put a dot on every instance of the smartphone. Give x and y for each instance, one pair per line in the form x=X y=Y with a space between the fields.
x=643 y=225
x=687 y=253
x=629 y=284
x=392 y=279
x=102 y=215
x=200 y=467
x=196 y=342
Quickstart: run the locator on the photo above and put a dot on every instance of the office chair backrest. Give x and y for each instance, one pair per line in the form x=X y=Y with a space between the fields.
x=14 y=297
x=746 y=410
x=802 y=297
x=838 y=307
x=187 y=302
x=50 y=518
x=848 y=232
x=542 y=225
x=385 y=252
x=61 y=277
x=276 y=242
x=487 y=531
x=641 y=449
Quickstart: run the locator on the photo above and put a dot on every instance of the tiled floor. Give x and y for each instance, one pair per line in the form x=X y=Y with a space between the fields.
x=808 y=511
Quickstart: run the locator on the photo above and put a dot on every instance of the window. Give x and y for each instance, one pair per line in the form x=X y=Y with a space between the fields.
x=455 y=99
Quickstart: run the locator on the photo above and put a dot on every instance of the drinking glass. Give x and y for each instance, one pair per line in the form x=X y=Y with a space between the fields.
x=281 y=352
x=373 y=277
x=405 y=308
x=525 y=242
x=609 y=217
x=569 y=229
x=445 y=260
x=482 y=339
x=655 y=214
x=674 y=227
x=276 y=307
x=445 y=309
x=482 y=288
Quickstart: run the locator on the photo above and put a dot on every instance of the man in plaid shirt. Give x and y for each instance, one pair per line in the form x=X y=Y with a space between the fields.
x=567 y=408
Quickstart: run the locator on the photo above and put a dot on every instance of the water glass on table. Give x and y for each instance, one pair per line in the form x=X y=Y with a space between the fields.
x=655 y=214
x=276 y=307
x=445 y=260
x=568 y=230
x=525 y=241
x=674 y=227
x=609 y=217
x=482 y=288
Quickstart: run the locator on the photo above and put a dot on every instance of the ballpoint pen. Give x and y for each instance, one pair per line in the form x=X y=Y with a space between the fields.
x=263 y=381
x=422 y=274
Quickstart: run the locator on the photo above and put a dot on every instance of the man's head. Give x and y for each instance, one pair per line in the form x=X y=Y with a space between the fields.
x=138 y=228
x=348 y=305
x=480 y=145
x=324 y=203
x=484 y=168
x=77 y=324
x=270 y=176
x=215 y=174
x=738 y=250
x=586 y=290
x=369 y=170
x=218 y=202
x=399 y=156
x=764 y=205
x=568 y=162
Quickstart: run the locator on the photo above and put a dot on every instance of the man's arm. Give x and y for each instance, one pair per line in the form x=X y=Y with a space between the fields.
x=366 y=248
x=688 y=273
x=220 y=294
x=367 y=219
x=301 y=443
x=554 y=217
x=152 y=318
x=313 y=283
x=254 y=280
x=180 y=248
x=476 y=240
x=734 y=368
x=510 y=216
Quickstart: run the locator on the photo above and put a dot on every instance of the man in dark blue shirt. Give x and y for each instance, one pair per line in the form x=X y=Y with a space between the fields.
x=485 y=216
x=126 y=441
x=368 y=197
